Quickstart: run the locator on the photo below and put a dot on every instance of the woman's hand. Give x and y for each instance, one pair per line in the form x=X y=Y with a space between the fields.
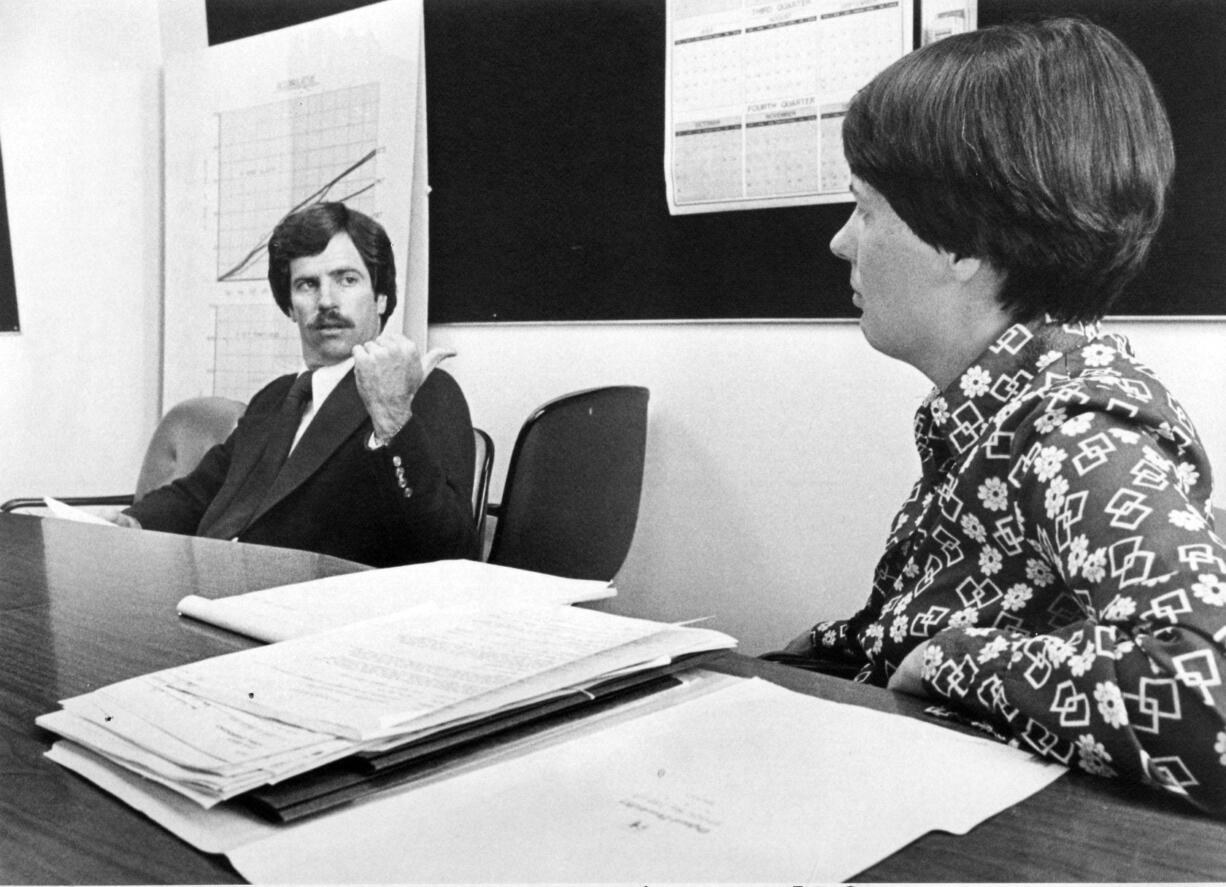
x=802 y=645
x=910 y=675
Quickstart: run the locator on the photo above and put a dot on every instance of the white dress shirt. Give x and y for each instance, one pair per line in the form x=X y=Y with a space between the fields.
x=323 y=383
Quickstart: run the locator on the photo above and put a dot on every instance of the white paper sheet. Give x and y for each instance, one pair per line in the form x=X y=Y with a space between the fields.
x=750 y=783
x=944 y=18
x=289 y=611
x=370 y=680
x=722 y=780
x=71 y=512
x=218 y=830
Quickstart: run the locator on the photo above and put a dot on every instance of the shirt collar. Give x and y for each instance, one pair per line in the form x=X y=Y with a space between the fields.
x=325 y=379
x=950 y=421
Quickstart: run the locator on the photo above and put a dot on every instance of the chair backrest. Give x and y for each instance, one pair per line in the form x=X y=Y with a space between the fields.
x=183 y=436
x=483 y=463
x=571 y=496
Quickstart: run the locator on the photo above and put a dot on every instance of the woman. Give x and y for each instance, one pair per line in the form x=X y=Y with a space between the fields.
x=1054 y=571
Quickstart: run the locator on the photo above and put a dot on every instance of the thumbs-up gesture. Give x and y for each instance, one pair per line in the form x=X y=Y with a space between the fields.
x=389 y=370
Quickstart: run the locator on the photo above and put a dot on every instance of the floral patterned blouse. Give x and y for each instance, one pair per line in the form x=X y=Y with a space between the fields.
x=1058 y=555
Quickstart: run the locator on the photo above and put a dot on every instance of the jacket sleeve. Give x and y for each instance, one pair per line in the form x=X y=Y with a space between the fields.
x=1132 y=684
x=178 y=506
x=422 y=503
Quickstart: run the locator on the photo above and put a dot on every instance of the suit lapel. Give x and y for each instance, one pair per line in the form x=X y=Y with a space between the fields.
x=245 y=458
x=337 y=419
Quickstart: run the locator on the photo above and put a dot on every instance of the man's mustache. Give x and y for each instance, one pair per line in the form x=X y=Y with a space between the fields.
x=331 y=322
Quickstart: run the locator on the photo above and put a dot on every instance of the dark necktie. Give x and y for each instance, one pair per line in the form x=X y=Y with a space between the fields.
x=289 y=417
x=231 y=522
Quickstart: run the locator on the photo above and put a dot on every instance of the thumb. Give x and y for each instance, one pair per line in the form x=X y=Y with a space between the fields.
x=433 y=358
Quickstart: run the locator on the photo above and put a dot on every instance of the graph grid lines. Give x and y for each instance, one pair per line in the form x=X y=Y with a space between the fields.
x=252 y=345
x=276 y=157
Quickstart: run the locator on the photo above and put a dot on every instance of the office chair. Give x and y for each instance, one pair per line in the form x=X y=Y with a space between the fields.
x=483 y=463
x=178 y=444
x=571 y=496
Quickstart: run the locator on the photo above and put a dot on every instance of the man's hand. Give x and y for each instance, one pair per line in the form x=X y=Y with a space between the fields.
x=909 y=677
x=125 y=521
x=388 y=371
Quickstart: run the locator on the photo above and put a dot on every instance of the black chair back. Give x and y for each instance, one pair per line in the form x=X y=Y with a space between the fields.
x=571 y=496
x=483 y=463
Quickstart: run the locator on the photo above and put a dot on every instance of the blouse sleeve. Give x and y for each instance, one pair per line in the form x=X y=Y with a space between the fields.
x=1117 y=504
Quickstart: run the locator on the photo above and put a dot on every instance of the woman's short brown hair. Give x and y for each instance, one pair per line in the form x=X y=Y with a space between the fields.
x=1042 y=148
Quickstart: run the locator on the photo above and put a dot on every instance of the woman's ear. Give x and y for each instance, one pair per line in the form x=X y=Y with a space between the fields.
x=964 y=268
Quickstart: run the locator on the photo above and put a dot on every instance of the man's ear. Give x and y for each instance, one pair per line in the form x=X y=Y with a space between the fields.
x=381 y=305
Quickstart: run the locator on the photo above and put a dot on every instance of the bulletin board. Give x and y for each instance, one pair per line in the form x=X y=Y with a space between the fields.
x=546 y=167
x=1182 y=44
x=546 y=172
x=547 y=198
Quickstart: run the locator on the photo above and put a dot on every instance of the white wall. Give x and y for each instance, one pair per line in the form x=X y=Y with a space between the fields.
x=80 y=122
x=776 y=455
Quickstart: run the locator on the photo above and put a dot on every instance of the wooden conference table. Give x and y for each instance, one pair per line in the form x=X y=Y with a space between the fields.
x=82 y=606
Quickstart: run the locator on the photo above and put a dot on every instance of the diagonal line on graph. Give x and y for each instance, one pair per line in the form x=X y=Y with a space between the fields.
x=316 y=196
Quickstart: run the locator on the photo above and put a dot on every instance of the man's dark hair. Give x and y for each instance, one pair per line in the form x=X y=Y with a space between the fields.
x=1042 y=148
x=307 y=232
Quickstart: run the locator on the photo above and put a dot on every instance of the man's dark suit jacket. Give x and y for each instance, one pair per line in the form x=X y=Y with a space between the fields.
x=404 y=503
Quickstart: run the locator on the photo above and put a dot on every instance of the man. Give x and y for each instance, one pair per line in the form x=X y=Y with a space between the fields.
x=1054 y=574
x=376 y=465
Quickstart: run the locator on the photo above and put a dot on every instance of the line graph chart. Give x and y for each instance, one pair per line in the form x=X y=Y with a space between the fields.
x=252 y=344
x=279 y=156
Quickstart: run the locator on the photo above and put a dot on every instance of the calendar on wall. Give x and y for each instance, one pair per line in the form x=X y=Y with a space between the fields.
x=756 y=94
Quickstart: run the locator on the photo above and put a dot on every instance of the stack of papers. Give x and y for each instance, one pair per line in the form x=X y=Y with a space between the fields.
x=290 y=611
x=214 y=729
x=721 y=780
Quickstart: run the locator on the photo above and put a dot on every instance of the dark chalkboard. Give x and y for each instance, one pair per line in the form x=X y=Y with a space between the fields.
x=228 y=20
x=546 y=151
x=1182 y=44
x=546 y=141
x=546 y=167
